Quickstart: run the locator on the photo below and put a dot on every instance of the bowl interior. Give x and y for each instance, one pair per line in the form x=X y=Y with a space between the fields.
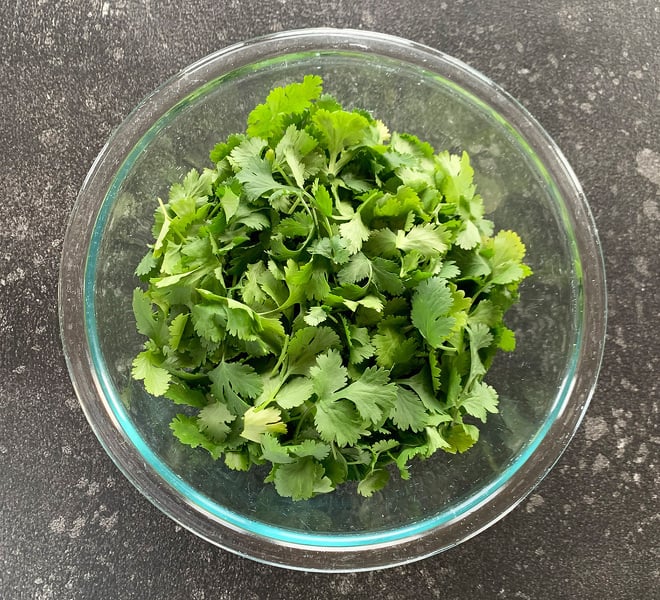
x=533 y=382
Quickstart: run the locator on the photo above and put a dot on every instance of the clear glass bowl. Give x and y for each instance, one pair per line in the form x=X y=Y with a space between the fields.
x=545 y=385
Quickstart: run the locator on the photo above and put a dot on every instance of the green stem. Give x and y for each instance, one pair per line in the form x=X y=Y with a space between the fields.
x=281 y=357
x=188 y=376
x=310 y=406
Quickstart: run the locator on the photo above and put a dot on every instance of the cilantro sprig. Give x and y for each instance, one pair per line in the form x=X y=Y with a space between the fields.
x=326 y=300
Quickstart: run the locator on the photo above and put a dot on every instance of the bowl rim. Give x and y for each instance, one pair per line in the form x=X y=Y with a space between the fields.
x=273 y=544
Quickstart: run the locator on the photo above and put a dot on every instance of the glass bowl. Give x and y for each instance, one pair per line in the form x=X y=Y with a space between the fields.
x=545 y=385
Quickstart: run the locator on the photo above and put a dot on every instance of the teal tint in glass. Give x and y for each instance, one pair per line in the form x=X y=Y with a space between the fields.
x=544 y=386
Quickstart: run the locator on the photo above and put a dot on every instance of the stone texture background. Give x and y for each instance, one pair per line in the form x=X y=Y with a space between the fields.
x=71 y=526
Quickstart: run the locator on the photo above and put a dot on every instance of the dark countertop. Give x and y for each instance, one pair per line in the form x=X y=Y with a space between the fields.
x=72 y=527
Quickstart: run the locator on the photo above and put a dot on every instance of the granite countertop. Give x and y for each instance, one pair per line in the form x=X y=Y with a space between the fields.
x=72 y=527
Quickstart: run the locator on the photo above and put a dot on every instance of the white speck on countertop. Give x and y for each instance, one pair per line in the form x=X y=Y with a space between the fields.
x=57 y=525
x=648 y=165
x=535 y=501
x=595 y=428
x=600 y=464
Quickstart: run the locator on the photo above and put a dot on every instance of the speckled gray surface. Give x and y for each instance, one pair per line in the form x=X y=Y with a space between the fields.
x=71 y=526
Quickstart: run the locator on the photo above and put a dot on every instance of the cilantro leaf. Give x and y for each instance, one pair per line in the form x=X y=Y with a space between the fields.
x=293 y=150
x=266 y=119
x=306 y=344
x=273 y=451
x=294 y=393
x=482 y=399
x=214 y=420
x=146 y=367
x=146 y=321
x=373 y=482
x=315 y=316
x=461 y=437
x=314 y=448
x=408 y=411
x=354 y=232
x=508 y=252
x=340 y=130
x=338 y=421
x=328 y=375
x=373 y=394
x=302 y=479
x=392 y=347
x=258 y=422
x=427 y=239
x=431 y=305
x=233 y=380
x=186 y=430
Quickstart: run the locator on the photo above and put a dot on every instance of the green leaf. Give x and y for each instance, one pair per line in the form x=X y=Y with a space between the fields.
x=392 y=345
x=435 y=441
x=333 y=248
x=301 y=480
x=427 y=239
x=385 y=276
x=461 y=437
x=294 y=393
x=214 y=421
x=258 y=422
x=186 y=430
x=292 y=150
x=458 y=173
x=257 y=178
x=508 y=252
x=176 y=329
x=322 y=200
x=147 y=367
x=408 y=454
x=382 y=242
x=338 y=421
x=482 y=399
x=230 y=202
x=144 y=316
x=209 y=321
x=306 y=345
x=373 y=395
x=180 y=393
x=373 y=482
x=315 y=316
x=273 y=451
x=507 y=339
x=266 y=119
x=237 y=461
x=485 y=312
x=354 y=232
x=431 y=304
x=146 y=265
x=358 y=269
x=480 y=337
x=421 y=384
x=360 y=344
x=328 y=375
x=399 y=205
x=222 y=149
x=310 y=279
x=313 y=448
x=235 y=377
x=340 y=129
x=408 y=411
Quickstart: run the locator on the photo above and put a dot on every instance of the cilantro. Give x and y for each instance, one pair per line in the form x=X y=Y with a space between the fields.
x=326 y=300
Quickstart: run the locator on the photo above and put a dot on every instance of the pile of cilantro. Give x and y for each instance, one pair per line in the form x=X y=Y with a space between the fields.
x=326 y=300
